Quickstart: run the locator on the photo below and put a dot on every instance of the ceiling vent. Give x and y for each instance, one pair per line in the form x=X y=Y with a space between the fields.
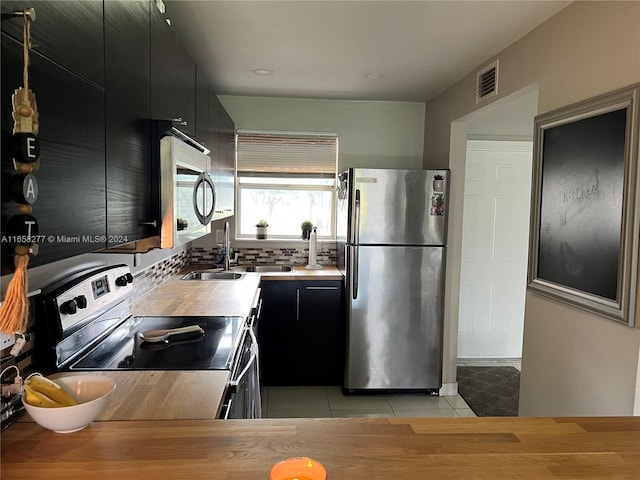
x=487 y=82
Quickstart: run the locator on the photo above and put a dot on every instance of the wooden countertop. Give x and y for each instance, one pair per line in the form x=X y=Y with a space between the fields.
x=177 y=297
x=328 y=272
x=163 y=395
x=217 y=297
x=349 y=448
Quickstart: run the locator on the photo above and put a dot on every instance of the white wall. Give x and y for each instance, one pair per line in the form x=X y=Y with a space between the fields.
x=370 y=134
x=574 y=362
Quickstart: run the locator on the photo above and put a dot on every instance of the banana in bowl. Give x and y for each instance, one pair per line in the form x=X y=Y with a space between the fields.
x=67 y=404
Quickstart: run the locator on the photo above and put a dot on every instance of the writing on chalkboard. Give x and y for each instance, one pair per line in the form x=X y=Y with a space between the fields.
x=579 y=193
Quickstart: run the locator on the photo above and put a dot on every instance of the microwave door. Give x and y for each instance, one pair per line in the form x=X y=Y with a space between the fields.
x=188 y=222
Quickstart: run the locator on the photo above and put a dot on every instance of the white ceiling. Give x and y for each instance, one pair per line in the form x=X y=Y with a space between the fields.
x=322 y=49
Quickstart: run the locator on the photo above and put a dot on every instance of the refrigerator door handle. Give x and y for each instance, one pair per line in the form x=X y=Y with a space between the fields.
x=354 y=269
x=356 y=236
x=356 y=248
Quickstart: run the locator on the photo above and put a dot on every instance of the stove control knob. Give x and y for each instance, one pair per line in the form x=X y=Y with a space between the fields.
x=81 y=301
x=121 y=281
x=69 y=307
x=129 y=278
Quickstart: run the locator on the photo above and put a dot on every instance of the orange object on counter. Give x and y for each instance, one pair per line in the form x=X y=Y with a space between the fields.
x=298 y=468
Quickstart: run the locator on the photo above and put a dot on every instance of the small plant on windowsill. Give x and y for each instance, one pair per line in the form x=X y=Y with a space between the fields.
x=306 y=227
x=261 y=229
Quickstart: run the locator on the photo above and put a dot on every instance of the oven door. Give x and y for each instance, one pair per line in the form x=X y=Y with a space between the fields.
x=242 y=399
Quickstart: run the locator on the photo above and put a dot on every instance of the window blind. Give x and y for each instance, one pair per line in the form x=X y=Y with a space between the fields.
x=290 y=154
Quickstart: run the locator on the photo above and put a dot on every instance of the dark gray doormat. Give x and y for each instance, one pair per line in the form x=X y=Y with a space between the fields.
x=490 y=391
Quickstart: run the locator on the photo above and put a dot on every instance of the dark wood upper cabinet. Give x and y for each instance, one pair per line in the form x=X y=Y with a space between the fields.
x=225 y=206
x=69 y=33
x=173 y=76
x=102 y=71
x=70 y=204
x=185 y=90
x=202 y=131
x=163 y=49
x=214 y=129
x=128 y=133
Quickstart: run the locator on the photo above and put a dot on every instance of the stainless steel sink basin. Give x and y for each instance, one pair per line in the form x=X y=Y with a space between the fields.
x=207 y=275
x=269 y=268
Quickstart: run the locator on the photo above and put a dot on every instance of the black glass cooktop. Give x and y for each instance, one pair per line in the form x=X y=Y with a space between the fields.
x=124 y=349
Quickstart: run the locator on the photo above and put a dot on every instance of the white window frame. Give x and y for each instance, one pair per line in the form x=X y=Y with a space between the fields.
x=266 y=185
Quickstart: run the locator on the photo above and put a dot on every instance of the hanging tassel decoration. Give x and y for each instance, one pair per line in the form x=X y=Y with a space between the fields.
x=14 y=311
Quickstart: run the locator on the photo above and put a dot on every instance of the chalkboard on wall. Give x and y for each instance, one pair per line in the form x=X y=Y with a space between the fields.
x=584 y=231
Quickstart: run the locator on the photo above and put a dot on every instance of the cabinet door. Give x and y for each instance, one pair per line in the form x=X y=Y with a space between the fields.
x=214 y=134
x=321 y=333
x=226 y=170
x=70 y=208
x=185 y=92
x=202 y=109
x=69 y=33
x=173 y=75
x=129 y=202
x=277 y=332
x=164 y=50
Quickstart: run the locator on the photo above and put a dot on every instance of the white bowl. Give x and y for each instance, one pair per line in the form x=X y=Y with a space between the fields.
x=92 y=394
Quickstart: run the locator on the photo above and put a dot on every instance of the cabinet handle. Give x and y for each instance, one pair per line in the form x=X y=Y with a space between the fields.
x=321 y=288
x=153 y=224
x=297 y=304
x=259 y=309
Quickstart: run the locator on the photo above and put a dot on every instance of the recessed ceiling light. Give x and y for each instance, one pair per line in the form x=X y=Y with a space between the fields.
x=262 y=71
x=373 y=76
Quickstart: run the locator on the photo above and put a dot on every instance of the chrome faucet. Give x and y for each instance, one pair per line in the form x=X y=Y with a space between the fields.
x=226 y=260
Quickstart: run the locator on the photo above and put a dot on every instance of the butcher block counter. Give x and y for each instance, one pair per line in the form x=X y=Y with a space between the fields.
x=217 y=297
x=349 y=448
x=163 y=395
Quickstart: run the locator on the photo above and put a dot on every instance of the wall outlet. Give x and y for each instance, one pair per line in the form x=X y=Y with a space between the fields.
x=7 y=341
x=219 y=235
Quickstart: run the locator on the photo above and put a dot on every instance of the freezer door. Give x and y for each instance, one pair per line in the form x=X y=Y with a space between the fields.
x=395 y=303
x=398 y=207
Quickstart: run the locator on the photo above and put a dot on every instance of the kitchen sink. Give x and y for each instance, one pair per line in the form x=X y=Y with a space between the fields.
x=208 y=275
x=269 y=268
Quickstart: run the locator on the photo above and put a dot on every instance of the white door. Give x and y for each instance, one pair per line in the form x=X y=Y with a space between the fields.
x=494 y=249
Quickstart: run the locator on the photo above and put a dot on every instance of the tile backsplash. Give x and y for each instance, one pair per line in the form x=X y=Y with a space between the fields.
x=263 y=255
x=152 y=276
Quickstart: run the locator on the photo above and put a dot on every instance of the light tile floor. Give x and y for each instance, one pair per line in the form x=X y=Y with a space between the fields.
x=328 y=402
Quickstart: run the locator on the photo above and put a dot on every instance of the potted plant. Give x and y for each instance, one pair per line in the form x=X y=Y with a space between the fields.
x=306 y=227
x=261 y=229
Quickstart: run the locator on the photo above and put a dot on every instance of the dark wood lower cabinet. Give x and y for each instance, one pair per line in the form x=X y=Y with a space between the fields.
x=301 y=333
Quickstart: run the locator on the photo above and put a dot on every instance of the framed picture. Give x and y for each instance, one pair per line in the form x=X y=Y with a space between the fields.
x=584 y=222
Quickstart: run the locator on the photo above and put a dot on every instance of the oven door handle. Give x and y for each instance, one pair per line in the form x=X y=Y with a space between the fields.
x=254 y=358
x=227 y=408
x=234 y=383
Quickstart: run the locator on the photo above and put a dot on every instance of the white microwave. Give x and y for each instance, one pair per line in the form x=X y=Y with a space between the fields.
x=187 y=192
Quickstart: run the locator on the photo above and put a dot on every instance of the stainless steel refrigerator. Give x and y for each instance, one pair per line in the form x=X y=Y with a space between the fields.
x=391 y=236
